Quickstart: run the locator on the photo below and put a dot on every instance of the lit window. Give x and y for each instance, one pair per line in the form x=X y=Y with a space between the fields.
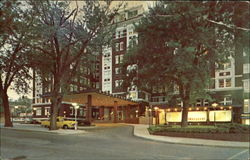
x=38 y=111
x=47 y=111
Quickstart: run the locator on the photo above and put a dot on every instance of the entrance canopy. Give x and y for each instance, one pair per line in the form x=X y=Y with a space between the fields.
x=98 y=99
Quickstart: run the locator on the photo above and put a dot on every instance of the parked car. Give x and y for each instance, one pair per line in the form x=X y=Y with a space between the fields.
x=60 y=123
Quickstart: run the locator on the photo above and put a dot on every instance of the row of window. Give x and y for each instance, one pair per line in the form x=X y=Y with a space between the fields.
x=47 y=111
x=124 y=16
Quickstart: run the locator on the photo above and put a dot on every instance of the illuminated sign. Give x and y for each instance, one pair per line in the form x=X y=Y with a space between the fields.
x=197 y=116
x=220 y=116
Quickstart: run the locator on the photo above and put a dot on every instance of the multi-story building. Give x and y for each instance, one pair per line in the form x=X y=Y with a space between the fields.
x=87 y=78
x=113 y=55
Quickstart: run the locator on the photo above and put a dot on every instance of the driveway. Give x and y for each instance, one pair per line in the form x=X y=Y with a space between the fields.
x=110 y=143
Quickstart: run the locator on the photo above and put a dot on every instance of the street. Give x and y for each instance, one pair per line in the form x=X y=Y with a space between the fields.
x=104 y=144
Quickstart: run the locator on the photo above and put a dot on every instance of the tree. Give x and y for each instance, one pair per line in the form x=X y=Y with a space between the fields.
x=66 y=37
x=15 y=24
x=178 y=46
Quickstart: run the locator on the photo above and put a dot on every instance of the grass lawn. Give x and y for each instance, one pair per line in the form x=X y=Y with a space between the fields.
x=228 y=132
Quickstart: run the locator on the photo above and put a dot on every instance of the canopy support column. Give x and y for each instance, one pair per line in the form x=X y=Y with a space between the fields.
x=89 y=110
x=115 y=111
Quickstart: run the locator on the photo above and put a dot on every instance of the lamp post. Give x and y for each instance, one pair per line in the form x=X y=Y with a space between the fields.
x=76 y=107
x=14 y=113
x=214 y=106
x=149 y=116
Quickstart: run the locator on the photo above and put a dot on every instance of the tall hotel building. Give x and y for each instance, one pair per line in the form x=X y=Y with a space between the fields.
x=230 y=86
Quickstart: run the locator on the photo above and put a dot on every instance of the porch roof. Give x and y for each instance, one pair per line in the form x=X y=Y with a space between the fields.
x=98 y=99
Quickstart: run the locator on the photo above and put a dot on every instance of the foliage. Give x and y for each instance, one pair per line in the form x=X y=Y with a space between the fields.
x=219 y=128
x=178 y=46
x=15 y=38
x=67 y=38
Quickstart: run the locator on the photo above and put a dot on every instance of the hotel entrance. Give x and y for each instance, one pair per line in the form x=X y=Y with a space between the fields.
x=102 y=107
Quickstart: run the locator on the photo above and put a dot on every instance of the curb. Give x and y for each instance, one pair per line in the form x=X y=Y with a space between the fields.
x=183 y=143
x=28 y=130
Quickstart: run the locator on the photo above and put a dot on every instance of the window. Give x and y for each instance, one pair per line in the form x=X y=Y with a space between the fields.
x=71 y=88
x=246 y=68
x=71 y=111
x=244 y=52
x=107 y=79
x=117 y=70
x=155 y=99
x=227 y=65
x=117 y=46
x=225 y=83
x=118 y=59
x=228 y=83
x=227 y=100
x=132 y=41
x=198 y=102
x=118 y=83
x=132 y=13
x=47 y=111
x=205 y=102
x=81 y=112
x=246 y=84
x=224 y=74
x=38 y=111
x=106 y=68
x=246 y=108
x=121 y=58
x=163 y=99
x=121 y=46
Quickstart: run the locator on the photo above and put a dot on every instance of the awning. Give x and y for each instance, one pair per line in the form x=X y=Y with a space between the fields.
x=98 y=99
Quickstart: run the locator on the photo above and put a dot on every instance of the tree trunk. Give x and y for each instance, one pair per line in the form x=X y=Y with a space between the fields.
x=184 y=122
x=7 y=114
x=56 y=102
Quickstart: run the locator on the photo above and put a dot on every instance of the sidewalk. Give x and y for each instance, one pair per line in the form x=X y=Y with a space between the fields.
x=39 y=128
x=141 y=131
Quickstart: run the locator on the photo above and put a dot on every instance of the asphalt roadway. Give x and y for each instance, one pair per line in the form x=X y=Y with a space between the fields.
x=113 y=143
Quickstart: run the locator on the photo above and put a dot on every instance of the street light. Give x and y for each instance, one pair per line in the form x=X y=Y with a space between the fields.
x=14 y=113
x=156 y=115
x=76 y=107
x=136 y=113
x=214 y=106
